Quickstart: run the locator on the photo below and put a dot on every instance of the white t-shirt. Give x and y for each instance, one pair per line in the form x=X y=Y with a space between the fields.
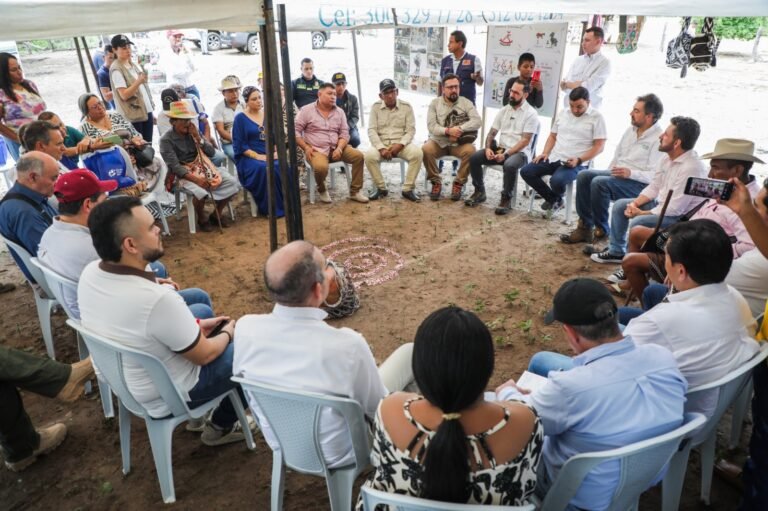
x=293 y=347
x=576 y=135
x=749 y=275
x=118 y=81
x=225 y=114
x=511 y=124
x=130 y=307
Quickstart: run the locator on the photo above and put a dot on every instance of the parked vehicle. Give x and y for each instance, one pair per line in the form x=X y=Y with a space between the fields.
x=217 y=39
x=249 y=41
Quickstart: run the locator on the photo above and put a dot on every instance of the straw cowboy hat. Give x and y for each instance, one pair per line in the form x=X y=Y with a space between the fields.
x=733 y=149
x=182 y=110
x=229 y=83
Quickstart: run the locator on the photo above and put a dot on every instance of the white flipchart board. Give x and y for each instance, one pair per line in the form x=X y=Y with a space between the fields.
x=547 y=43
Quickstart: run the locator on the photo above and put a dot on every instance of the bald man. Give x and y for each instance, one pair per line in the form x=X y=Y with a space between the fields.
x=25 y=212
x=293 y=347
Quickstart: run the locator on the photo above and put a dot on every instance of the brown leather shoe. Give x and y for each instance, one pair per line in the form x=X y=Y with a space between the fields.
x=437 y=189
x=75 y=387
x=730 y=473
x=205 y=226
x=581 y=234
x=600 y=233
x=50 y=438
x=505 y=206
x=456 y=190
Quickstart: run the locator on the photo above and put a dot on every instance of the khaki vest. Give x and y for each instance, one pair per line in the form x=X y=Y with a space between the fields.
x=132 y=108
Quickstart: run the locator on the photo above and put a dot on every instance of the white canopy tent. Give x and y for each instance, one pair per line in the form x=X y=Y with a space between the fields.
x=46 y=19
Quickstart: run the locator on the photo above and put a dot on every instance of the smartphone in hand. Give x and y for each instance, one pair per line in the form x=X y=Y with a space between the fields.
x=709 y=188
x=218 y=328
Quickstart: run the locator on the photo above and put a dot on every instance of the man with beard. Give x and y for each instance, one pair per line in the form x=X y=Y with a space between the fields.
x=122 y=301
x=631 y=169
x=515 y=124
x=675 y=167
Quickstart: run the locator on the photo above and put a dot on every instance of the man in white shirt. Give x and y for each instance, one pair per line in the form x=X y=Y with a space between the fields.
x=590 y=70
x=631 y=169
x=577 y=137
x=675 y=167
x=706 y=324
x=516 y=124
x=179 y=65
x=293 y=347
x=120 y=300
x=224 y=113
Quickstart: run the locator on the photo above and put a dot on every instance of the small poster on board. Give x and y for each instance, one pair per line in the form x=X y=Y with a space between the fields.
x=418 y=52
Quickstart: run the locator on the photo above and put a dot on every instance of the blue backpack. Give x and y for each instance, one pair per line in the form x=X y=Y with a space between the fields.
x=109 y=164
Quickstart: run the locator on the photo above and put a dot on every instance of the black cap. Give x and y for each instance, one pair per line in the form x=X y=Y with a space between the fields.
x=120 y=41
x=386 y=84
x=338 y=78
x=581 y=302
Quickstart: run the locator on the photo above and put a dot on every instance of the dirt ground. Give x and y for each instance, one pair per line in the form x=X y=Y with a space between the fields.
x=503 y=268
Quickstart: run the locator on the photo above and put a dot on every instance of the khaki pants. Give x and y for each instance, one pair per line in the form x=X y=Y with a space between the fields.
x=396 y=372
x=411 y=153
x=319 y=163
x=432 y=152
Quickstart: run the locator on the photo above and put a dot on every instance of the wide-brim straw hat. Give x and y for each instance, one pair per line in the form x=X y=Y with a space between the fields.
x=229 y=84
x=182 y=110
x=733 y=149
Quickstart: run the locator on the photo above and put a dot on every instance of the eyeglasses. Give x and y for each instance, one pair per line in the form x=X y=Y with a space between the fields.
x=96 y=106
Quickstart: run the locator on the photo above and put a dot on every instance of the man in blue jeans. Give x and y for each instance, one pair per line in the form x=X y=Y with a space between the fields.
x=120 y=300
x=577 y=137
x=631 y=169
x=675 y=167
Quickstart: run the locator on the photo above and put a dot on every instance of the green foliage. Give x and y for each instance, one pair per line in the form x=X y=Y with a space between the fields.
x=735 y=28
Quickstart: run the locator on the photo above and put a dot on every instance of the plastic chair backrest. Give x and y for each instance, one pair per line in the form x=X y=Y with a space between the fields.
x=398 y=502
x=33 y=270
x=730 y=386
x=59 y=286
x=640 y=464
x=294 y=416
x=109 y=355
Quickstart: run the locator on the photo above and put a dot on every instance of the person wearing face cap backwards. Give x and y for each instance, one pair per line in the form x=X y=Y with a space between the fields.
x=611 y=394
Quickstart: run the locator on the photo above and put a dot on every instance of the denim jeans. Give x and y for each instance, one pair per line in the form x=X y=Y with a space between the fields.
x=13 y=148
x=214 y=380
x=653 y=294
x=197 y=300
x=228 y=150
x=354 y=137
x=561 y=176
x=595 y=189
x=545 y=361
x=219 y=158
x=510 y=167
x=620 y=224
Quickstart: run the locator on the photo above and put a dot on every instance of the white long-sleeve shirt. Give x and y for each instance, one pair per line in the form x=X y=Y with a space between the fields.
x=640 y=155
x=592 y=71
x=672 y=175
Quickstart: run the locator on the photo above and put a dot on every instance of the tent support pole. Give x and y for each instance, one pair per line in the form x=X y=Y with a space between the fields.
x=82 y=66
x=357 y=76
x=271 y=128
x=291 y=183
x=93 y=68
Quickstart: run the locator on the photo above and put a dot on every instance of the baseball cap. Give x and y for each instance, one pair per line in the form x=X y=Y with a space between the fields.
x=338 y=78
x=174 y=32
x=79 y=184
x=581 y=302
x=387 y=84
x=120 y=41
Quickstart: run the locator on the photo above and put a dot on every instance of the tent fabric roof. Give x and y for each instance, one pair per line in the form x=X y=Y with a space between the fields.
x=46 y=19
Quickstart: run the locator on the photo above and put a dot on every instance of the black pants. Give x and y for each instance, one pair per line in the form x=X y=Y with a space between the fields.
x=20 y=370
x=755 y=473
x=145 y=128
x=511 y=165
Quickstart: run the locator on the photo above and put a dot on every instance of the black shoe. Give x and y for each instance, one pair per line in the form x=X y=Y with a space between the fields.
x=505 y=206
x=411 y=196
x=378 y=194
x=552 y=206
x=476 y=198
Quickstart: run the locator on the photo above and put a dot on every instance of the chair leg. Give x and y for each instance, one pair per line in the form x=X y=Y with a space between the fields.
x=231 y=211
x=739 y=412
x=254 y=208
x=707 y=454
x=44 y=306
x=278 y=480
x=125 y=436
x=310 y=183
x=160 y=436
x=340 y=488
x=163 y=220
x=240 y=411
x=402 y=173
x=672 y=486
x=191 y=215
x=333 y=177
x=106 y=399
x=177 y=196
x=569 y=191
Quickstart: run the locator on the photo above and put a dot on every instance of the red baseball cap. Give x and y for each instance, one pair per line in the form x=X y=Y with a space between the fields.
x=79 y=184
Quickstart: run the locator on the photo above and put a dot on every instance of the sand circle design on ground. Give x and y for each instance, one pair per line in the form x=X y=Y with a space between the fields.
x=370 y=261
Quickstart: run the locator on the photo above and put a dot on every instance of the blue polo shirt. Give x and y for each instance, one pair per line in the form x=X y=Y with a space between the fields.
x=23 y=223
x=103 y=76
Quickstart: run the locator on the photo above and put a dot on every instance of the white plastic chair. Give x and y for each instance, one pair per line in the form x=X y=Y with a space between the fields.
x=335 y=165
x=640 y=464
x=397 y=502
x=403 y=167
x=191 y=216
x=60 y=286
x=109 y=356
x=730 y=388
x=500 y=168
x=44 y=300
x=294 y=416
x=570 y=191
x=153 y=197
x=8 y=175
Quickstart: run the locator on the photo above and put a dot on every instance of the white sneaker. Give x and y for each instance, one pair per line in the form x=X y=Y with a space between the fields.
x=617 y=276
x=325 y=197
x=359 y=197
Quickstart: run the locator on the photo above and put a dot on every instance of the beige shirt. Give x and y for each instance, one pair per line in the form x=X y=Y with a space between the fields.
x=438 y=112
x=391 y=126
